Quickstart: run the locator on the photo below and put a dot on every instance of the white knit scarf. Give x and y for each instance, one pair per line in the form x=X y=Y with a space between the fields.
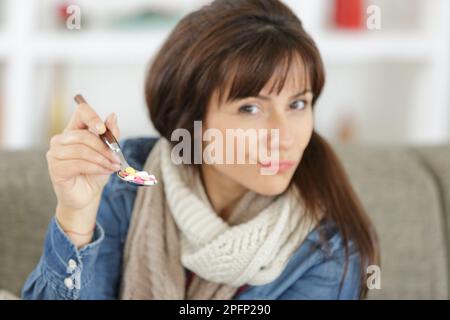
x=174 y=226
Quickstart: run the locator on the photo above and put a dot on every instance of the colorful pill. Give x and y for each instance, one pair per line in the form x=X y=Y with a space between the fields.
x=150 y=183
x=137 y=177
x=130 y=170
x=138 y=180
x=142 y=174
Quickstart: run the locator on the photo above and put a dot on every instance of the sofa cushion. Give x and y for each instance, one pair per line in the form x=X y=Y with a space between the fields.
x=403 y=201
x=6 y=295
x=27 y=204
x=437 y=160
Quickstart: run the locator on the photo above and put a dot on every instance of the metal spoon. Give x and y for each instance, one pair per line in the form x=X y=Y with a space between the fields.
x=126 y=172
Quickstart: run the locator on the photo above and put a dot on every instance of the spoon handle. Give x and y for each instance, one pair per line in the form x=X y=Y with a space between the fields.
x=108 y=138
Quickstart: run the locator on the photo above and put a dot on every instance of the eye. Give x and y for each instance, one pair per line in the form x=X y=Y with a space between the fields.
x=298 y=105
x=249 y=109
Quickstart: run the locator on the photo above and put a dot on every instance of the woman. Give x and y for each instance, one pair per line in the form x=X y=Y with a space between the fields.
x=211 y=229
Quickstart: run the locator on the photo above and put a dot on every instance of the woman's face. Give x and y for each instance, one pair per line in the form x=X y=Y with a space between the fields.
x=290 y=112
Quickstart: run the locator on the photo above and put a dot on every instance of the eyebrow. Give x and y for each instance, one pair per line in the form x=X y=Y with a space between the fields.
x=294 y=96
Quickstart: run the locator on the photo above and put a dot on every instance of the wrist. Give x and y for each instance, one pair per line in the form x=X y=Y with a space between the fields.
x=79 y=239
x=77 y=221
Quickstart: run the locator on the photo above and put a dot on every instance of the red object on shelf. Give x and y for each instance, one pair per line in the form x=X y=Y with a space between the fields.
x=348 y=14
x=62 y=11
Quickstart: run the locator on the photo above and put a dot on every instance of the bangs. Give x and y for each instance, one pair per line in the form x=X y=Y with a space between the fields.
x=269 y=56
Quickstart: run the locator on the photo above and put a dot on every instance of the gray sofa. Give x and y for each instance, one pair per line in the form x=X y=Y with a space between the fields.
x=406 y=191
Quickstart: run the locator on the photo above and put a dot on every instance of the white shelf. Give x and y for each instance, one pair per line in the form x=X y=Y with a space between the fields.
x=103 y=47
x=355 y=47
x=89 y=48
x=98 y=47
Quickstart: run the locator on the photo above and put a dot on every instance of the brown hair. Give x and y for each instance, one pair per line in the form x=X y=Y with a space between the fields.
x=254 y=37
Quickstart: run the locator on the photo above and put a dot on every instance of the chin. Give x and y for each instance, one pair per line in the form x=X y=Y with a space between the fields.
x=272 y=188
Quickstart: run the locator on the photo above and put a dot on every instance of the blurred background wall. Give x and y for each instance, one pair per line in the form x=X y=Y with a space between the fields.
x=387 y=84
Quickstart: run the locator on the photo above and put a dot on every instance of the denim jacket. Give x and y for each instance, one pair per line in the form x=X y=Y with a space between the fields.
x=314 y=271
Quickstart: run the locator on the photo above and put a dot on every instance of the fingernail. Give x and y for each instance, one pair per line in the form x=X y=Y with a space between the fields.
x=114 y=118
x=100 y=127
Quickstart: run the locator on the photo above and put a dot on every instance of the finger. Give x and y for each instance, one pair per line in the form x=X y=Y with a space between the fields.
x=67 y=169
x=83 y=152
x=111 y=124
x=85 y=117
x=87 y=138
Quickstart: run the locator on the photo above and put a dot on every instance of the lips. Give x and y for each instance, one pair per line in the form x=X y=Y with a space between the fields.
x=282 y=165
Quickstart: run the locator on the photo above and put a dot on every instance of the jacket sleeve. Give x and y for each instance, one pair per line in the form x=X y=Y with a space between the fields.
x=91 y=272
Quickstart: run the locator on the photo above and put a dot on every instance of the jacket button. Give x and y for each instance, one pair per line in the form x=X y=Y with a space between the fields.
x=72 y=264
x=68 y=282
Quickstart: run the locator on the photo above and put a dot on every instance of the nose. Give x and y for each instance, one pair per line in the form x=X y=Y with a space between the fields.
x=285 y=138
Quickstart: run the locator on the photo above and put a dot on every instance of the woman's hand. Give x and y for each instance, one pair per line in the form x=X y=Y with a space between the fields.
x=79 y=165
